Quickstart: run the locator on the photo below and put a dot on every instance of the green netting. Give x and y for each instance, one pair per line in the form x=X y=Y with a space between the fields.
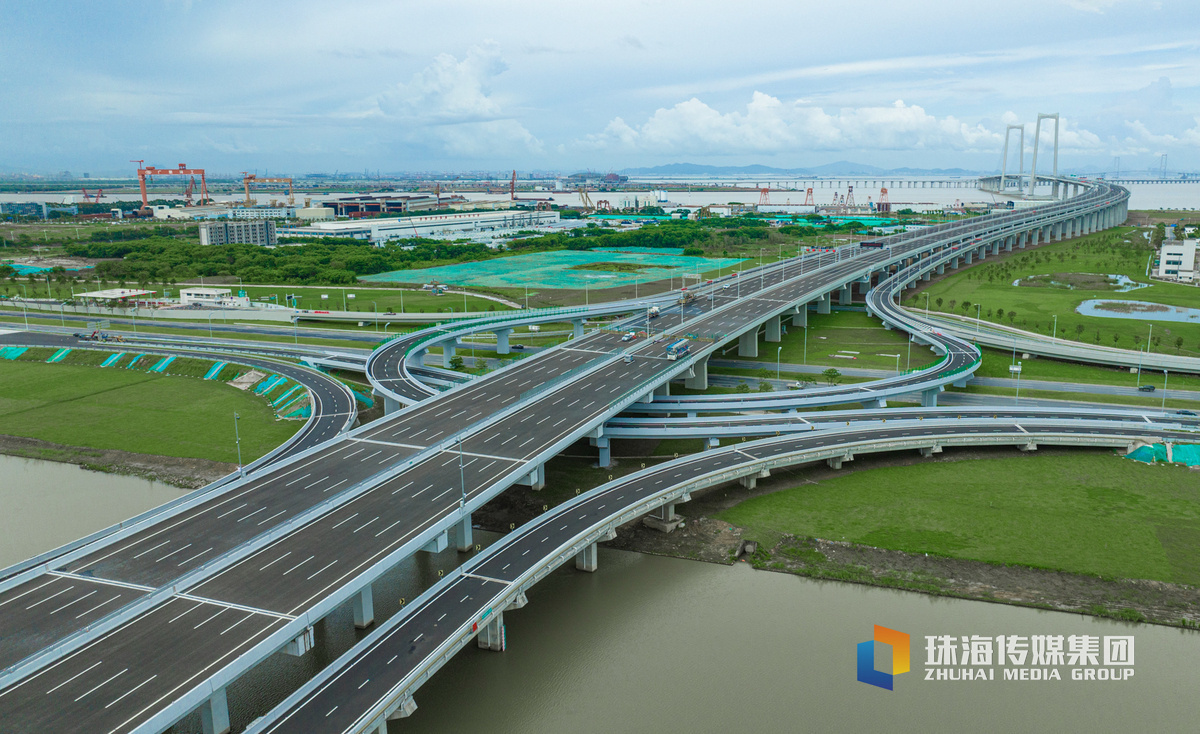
x=1188 y=454
x=560 y=270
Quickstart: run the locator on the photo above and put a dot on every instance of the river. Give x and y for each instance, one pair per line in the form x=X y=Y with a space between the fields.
x=669 y=645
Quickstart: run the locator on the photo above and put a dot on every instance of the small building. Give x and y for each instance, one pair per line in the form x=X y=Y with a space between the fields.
x=262 y=212
x=251 y=232
x=315 y=214
x=204 y=296
x=1177 y=260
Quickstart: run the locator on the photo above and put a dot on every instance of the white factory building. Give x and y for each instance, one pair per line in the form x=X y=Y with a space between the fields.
x=1177 y=260
x=433 y=226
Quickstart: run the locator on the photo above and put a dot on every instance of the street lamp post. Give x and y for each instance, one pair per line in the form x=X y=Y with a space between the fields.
x=210 y=315
x=24 y=307
x=1054 y=333
x=1164 y=402
x=778 y=352
x=908 y=360
x=375 y=308
x=1016 y=369
x=806 y=342
x=926 y=294
x=238 y=440
x=978 y=311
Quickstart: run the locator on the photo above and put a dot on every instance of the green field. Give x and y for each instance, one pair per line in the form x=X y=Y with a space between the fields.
x=841 y=332
x=134 y=411
x=990 y=285
x=1085 y=513
x=369 y=300
x=996 y=363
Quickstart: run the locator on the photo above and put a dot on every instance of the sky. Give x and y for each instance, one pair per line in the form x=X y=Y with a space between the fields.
x=300 y=86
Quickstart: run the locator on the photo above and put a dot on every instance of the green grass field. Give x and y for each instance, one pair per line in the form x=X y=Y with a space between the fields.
x=842 y=332
x=996 y=363
x=990 y=284
x=368 y=300
x=1085 y=513
x=134 y=411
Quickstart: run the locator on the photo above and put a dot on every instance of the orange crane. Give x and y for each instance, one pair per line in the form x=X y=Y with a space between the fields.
x=89 y=198
x=180 y=170
x=248 y=178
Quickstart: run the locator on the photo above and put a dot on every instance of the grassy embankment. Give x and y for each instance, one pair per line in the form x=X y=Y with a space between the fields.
x=1032 y=305
x=132 y=410
x=1091 y=513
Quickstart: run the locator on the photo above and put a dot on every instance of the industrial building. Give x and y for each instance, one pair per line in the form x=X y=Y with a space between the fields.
x=385 y=203
x=436 y=226
x=262 y=212
x=1177 y=260
x=252 y=232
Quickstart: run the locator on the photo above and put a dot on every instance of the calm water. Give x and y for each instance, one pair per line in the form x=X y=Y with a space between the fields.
x=1091 y=307
x=667 y=645
x=46 y=504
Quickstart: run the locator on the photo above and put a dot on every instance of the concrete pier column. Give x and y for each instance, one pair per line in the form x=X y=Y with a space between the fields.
x=699 y=378
x=448 y=352
x=364 y=608
x=588 y=559
x=491 y=633
x=390 y=404
x=929 y=397
x=748 y=343
x=941 y=269
x=824 y=304
x=970 y=257
x=577 y=326
x=604 y=445
x=712 y=443
x=214 y=713
x=774 y=332
x=663 y=390
x=800 y=318
x=663 y=519
x=502 y=341
x=926 y=275
x=955 y=262
x=465 y=533
x=535 y=479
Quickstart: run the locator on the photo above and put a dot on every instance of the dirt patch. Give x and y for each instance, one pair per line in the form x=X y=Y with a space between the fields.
x=184 y=473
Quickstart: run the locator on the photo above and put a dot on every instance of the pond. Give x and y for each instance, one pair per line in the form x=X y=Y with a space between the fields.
x=1083 y=281
x=1140 y=310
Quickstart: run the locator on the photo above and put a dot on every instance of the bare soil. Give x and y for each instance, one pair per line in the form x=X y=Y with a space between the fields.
x=184 y=473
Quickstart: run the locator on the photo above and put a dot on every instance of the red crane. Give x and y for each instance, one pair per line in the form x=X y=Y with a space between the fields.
x=808 y=199
x=764 y=196
x=180 y=170
x=885 y=206
x=93 y=199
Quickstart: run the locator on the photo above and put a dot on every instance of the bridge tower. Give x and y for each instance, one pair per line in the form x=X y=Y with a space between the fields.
x=1020 y=156
x=1037 y=134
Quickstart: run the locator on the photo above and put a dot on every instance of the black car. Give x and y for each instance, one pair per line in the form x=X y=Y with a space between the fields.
x=1146 y=388
x=1185 y=412
x=518 y=347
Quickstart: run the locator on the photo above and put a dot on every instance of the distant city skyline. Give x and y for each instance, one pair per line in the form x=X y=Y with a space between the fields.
x=458 y=86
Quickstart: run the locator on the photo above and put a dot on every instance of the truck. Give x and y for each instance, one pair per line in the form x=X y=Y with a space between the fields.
x=871 y=243
x=652 y=313
x=677 y=349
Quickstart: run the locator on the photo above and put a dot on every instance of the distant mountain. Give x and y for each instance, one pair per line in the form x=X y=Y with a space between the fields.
x=839 y=168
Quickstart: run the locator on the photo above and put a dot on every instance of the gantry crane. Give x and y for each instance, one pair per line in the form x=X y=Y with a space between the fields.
x=145 y=172
x=247 y=178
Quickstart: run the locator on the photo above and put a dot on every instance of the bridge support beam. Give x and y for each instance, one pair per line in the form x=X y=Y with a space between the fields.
x=845 y=295
x=712 y=443
x=748 y=343
x=663 y=519
x=928 y=451
x=955 y=262
x=823 y=304
x=800 y=318
x=448 y=352
x=835 y=462
x=577 y=327
x=214 y=713
x=605 y=447
x=438 y=544
x=364 y=608
x=1031 y=446
x=502 y=341
x=491 y=633
x=698 y=380
x=774 y=329
x=390 y=404
x=929 y=397
x=750 y=481
x=588 y=559
x=663 y=390
x=465 y=534
x=535 y=479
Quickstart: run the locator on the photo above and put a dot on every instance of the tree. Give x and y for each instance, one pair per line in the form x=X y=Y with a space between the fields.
x=1178 y=344
x=938 y=301
x=832 y=376
x=966 y=306
x=456 y=363
x=1078 y=331
x=1011 y=316
x=742 y=387
x=765 y=386
x=1116 y=338
x=952 y=304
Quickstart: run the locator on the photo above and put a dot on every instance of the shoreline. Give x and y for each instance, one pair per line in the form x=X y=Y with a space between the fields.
x=177 y=472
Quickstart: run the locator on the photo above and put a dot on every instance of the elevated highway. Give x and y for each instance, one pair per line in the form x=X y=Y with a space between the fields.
x=222 y=583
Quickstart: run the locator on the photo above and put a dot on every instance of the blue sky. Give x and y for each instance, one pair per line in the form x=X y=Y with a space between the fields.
x=319 y=86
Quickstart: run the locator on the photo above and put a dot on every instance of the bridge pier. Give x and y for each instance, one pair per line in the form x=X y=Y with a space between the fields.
x=712 y=443
x=748 y=343
x=465 y=534
x=835 y=462
x=364 y=608
x=845 y=296
x=929 y=397
x=929 y=451
x=502 y=341
x=448 y=352
x=588 y=559
x=955 y=262
x=699 y=377
x=535 y=479
x=214 y=713
x=390 y=404
x=823 y=304
x=750 y=481
x=940 y=269
x=800 y=318
x=577 y=327
x=969 y=257
x=774 y=330
x=491 y=633
x=663 y=390
x=604 y=445
x=664 y=518
x=438 y=544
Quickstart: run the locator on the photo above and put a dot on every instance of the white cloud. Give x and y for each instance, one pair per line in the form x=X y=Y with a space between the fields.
x=1092 y=6
x=768 y=125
